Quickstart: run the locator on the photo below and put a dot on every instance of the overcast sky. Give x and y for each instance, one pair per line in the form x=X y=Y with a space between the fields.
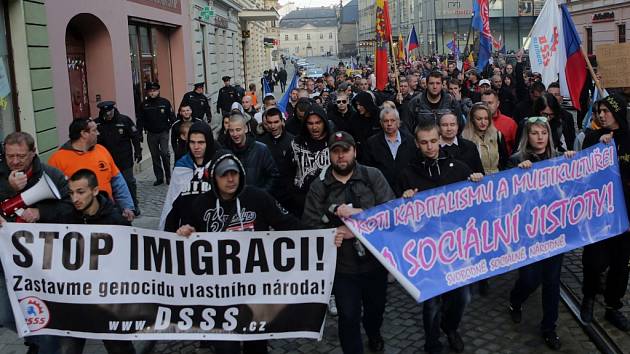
x=312 y=3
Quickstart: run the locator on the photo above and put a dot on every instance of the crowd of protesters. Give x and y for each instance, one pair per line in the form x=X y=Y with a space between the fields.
x=339 y=147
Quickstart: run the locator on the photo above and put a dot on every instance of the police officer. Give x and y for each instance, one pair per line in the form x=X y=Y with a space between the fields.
x=198 y=102
x=156 y=116
x=117 y=133
x=227 y=96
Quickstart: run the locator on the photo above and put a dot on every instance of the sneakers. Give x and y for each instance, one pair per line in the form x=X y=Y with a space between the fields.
x=617 y=319
x=586 y=310
x=516 y=313
x=332 y=306
x=552 y=340
x=455 y=341
x=376 y=344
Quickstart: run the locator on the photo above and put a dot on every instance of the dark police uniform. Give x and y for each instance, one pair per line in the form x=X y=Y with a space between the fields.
x=156 y=116
x=227 y=96
x=199 y=104
x=118 y=135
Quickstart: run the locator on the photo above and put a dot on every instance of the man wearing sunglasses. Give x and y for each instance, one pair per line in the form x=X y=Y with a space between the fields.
x=340 y=112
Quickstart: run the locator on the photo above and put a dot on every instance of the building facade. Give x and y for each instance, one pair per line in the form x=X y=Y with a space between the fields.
x=25 y=68
x=108 y=50
x=437 y=22
x=600 y=21
x=348 y=30
x=309 y=32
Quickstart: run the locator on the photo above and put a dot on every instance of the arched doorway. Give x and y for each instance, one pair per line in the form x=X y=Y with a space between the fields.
x=77 y=73
x=90 y=64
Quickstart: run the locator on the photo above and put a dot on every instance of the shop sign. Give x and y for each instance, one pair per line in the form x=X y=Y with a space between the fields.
x=168 y=5
x=604 y=17
x=220 y=22
x=206 y=13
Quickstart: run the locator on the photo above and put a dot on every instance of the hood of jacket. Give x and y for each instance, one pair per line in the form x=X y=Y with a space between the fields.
x=318 y=111
x=241 y=183
x=211 y=148
x=366 y=100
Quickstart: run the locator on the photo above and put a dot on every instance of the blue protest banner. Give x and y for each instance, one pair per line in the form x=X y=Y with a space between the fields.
x=451 y=236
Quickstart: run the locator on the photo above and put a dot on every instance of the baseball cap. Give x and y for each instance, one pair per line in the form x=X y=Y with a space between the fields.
x=342 y=139
x=225 y=166
x=484 y=82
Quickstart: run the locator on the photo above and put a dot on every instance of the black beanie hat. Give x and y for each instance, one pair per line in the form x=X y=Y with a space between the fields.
x=618 y=106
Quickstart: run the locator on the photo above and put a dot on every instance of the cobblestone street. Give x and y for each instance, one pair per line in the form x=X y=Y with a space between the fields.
x=486 y=327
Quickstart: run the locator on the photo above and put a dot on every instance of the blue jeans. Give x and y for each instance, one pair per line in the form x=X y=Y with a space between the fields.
x=443 y=312
x=352 y=293
x=547 y=273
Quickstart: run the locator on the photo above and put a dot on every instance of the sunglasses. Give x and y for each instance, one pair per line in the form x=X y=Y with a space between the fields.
x=532 y=120
x=342 y=101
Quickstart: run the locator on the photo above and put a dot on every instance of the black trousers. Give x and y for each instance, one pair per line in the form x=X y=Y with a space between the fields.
x=443 y=312
x=612 y=254
x=160 y=154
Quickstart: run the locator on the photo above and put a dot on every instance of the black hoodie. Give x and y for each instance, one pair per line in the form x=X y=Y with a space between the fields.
x=363 y=127
x=618 y=106
x=107 y=214
x=310 y=157
x=259 y=211
x=425 y=174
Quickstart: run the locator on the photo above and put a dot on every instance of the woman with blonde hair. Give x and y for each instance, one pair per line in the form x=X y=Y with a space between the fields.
x=491 y=146
x=537 y=145
x=480 y=130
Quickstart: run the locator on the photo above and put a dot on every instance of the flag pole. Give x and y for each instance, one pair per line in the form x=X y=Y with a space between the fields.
x=391 y=49
x=598 y=84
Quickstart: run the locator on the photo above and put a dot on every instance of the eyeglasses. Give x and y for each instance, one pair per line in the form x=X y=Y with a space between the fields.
x=532 y=120
x=342 y=101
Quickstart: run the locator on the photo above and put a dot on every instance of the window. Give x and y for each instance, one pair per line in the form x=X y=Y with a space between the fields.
x=308 y=36
x=286 y=37
x=330 y=49
x=295 y=37
x=330 y=35
x=589 y=40
x=622 y=33
x=321 y=36
x=321 y=49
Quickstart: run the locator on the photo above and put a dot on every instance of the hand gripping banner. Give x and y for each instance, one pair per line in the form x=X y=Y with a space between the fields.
x=448 y=237
x=119 y=282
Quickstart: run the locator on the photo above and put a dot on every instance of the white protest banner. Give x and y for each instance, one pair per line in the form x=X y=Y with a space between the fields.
x=119 y=282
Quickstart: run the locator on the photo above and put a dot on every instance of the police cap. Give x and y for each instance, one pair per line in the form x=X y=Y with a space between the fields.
x=106 y=105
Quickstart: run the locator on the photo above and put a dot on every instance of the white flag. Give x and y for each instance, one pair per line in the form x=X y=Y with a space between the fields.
x=546 y=52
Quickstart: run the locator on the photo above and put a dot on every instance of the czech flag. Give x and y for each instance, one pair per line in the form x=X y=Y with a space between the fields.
x=383 y=35
x=412 y=41
x=574 y=73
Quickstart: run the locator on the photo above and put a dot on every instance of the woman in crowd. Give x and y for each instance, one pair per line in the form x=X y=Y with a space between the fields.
x=490 y=143
x=537 y=145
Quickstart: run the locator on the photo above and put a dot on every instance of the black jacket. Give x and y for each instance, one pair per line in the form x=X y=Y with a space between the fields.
x=50 y=209
x=282 y=155
x=117 y=136
x=363 y=127
x=259 y=211
x=446 y=170
x=199 y=104
x=378 y=155
x=366 y=188
x=342 y=121
x=507 y=101
x=260 y=168
x=465 y=151
x=227 y=96
x=176 y=142
x=107 y=214
x=155 y=115
x=420 y=109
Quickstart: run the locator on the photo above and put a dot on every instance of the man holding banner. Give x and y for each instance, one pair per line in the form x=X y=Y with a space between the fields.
x=92 y=207
x=345 y=189
x=233 y=206
x=613 y=253
x=436 y=168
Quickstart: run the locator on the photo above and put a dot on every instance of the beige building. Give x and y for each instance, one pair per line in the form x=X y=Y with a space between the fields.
x=309 y=32
x=600 y=21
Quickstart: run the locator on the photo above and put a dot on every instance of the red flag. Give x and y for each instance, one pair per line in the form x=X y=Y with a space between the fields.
x=383 y=34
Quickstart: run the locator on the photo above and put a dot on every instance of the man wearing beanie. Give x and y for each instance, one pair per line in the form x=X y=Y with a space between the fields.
x=613 y=253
